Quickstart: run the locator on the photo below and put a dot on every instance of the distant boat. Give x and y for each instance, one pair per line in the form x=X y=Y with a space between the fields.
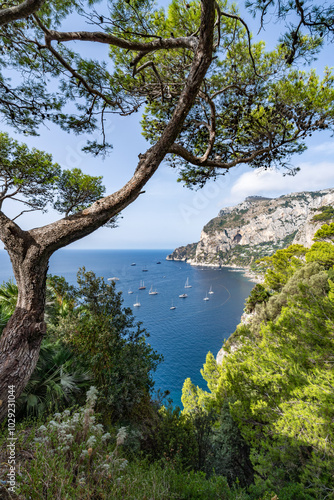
x=137 y=304
x=142 y=286
x=183 y=295
x=152 y=292
x=130 y=291
x=187 y=284
x=206 y=297
x=145 y=270
x=210 y=291
x=133 y=264
x=159 y=262
x=172 y=306
x=113 y=279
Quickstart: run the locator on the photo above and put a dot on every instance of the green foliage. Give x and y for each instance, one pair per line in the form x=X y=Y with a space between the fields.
x=107 y=341
x=326 y=213
x=30 y=177
x=323 y=252
x=8 y=297
x=171 y=436
x=325 y=233
x=56 y=383
x=61 y=298
x=30 y=174
x=229 y=453
x=282 y=386
x=258 y=295
x=77 y=191
x=281 y=266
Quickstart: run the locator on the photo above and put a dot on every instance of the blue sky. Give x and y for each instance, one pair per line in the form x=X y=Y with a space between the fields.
x=167 y=214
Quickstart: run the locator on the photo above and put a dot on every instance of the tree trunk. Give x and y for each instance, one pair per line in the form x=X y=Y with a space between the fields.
x=21 y=339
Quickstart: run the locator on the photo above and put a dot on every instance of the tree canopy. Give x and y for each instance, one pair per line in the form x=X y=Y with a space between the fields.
x=30 y=177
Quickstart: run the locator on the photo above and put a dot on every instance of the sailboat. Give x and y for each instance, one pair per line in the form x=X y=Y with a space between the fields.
x=210 y=291
x=172 y=306
x=152 y=292
x=187 y=284
x=142 y=286
x=137 y=304
x=130 y=291
x=206 y=297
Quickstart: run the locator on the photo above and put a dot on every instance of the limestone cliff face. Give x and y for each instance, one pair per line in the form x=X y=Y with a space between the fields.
x=257 y=227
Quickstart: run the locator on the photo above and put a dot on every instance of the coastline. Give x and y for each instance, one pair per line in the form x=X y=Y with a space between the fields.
x=251 y=275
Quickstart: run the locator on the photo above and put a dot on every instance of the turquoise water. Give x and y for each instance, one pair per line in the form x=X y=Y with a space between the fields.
x=184 y=335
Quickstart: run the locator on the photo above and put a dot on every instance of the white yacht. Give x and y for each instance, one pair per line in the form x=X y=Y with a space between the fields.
x=187 y=284
x=137 y=304
x=210 y=291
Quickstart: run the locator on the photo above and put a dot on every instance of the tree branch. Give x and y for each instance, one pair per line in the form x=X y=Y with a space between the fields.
x=20 y=11
x=212 y=126
x=189 y=42
x=153 y=66
x=233 y=16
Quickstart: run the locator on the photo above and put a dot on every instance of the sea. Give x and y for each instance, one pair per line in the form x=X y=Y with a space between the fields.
x=183 y=335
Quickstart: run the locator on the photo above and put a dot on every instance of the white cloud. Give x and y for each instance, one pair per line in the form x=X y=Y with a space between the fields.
x=325 y=147
x=312 y=177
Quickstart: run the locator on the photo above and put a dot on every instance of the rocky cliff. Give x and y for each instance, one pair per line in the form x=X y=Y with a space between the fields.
x=257 y=227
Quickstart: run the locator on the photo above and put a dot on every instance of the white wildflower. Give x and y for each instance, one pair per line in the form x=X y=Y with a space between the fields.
x=121 y=435
x=42 y=428
x=106 y=436
x=63 y=448
x=91 y=441
x=123 y=465
x=98 y=428
x=91 y=396
x=54 y=423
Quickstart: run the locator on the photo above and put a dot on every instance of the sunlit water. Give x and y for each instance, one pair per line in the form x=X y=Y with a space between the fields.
x=183 y=335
